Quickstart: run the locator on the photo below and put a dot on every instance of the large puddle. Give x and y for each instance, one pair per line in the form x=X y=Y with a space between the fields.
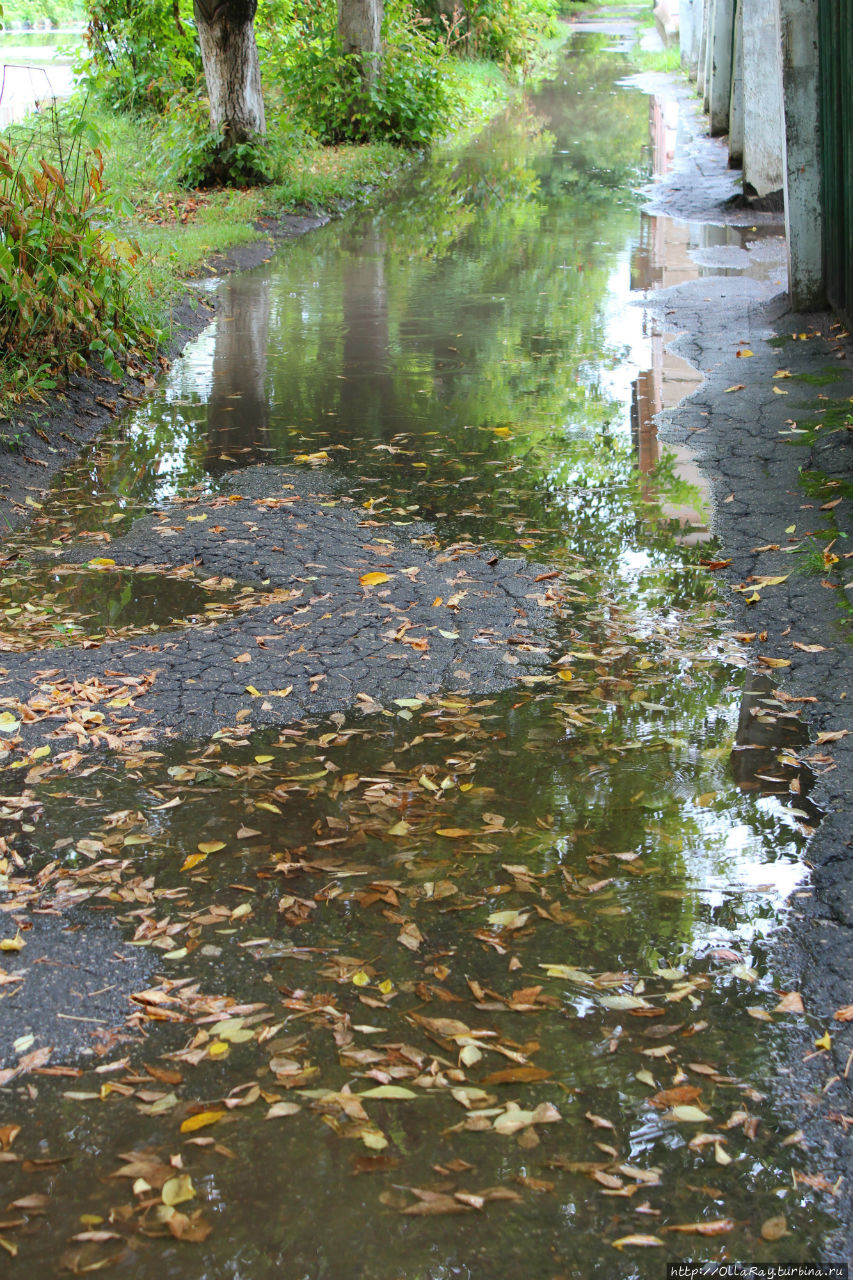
x=462 y=987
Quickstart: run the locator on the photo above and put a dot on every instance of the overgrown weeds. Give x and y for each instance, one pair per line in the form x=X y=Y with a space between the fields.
x=65 y=279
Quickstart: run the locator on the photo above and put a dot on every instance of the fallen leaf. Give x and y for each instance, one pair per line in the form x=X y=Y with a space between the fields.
x=716 y=1227
x=177 y=1190
x=688 y=1115
x=201 y=1120
x=373 y=579
x=636 y=1241
x=774 y=1228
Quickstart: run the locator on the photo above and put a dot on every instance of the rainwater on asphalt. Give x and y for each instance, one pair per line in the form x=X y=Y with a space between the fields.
x=538 y=923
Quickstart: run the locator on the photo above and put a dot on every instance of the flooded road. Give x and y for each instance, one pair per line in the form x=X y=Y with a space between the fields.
x=456 y=984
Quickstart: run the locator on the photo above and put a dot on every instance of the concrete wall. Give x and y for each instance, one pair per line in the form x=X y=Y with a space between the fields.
x=762 y=98
x=689 y=30
x=798 y=29
x=720 y=88
x=736 y=100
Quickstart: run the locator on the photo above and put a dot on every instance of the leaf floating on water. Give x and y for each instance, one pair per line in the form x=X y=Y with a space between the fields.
x=775 y=1228
x=687 y=1115
x=374 y=1139
x=638 y=1241
x=624 y=1002
x=178 y=1190
x=791 y=1002
x=453 y=833
x=396 y=1091
x=716 y=1227
x=281 y=1109
x=210 y=846
x=527 y=1074
x=201 y=1120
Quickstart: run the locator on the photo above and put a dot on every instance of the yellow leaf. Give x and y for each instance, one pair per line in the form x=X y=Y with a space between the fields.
x=374 y=1139
x=195 y=519
x=177 y=1190
x=263 y=759
x=739 y=386
x=360 y=979
x=373 y=579
x=777 y=391
x=280 y=693
x=773 y=662
x=386 y=986
x=192 y=861
x=564 y=674
x=503 y=432
x=39 y=753
x=8 y=723
x=218 y=1049
x=256 y=693
x=13 y=944
x=210 y=846
x=101 y=562
x=452 y=833
x=743 y=355
x=201 y=1120
x=824 y=1042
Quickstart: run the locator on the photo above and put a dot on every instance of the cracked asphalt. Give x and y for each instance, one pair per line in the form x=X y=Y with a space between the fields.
x=461 y=618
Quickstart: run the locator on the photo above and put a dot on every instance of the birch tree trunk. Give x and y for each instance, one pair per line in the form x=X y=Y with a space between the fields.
x=229 y=55
x=360 y=32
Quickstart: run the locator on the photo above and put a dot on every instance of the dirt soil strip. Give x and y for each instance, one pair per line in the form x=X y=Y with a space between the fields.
x=739 y=424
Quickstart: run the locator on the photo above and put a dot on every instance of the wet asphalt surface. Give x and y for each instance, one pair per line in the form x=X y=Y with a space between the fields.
x=338 y=638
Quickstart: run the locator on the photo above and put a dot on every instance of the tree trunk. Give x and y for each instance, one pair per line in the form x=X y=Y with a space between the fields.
x=229 y=54
x=360 y=32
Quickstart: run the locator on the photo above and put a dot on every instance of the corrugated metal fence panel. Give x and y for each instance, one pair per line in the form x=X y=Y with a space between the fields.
x=836 y=94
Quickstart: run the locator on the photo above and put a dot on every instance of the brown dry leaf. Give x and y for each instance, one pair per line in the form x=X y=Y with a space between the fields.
x=717 y=1227
x=808 y=648
x=672 y=1097
x=8 y=1134
x=845 y=1014
x=774 y=1228
x=517 y=1075
x=832 y=736
x=791 y=1002
x=598 y=1122
x=242 y=657
x=607 y=1179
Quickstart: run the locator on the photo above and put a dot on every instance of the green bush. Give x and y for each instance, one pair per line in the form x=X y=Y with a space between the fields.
x=140 y=53
x=411 y=100
x=502 y=30
x=64 y=280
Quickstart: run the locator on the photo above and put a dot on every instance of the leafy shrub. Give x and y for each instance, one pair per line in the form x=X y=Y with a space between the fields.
x=410 y=101
x=187 y=152
x=64 y=280
x=502 y=30
x=140 y=52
